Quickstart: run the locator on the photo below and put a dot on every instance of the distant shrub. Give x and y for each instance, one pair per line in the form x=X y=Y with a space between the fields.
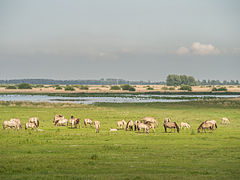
x=84 y=87
x=150 y=88
x=58 y=87
x=185 y=87
x=69 y=88
x=208 y=86
x=127 y=87
x=115 y=88
x=164 y=88
x=38 y=86
x=132 y=89
x=24 y=86
x=11 y=87
x=231 y=86
x=171 y=88
x=219 y=89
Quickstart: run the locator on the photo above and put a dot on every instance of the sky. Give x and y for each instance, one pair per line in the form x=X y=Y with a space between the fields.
x=127 y=39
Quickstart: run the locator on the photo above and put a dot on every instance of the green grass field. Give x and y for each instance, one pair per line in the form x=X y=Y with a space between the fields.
x=62 y=153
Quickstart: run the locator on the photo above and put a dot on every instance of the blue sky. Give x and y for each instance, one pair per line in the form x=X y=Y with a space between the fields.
x=129 y=39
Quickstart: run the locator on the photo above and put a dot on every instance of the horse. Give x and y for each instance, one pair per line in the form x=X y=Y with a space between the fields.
x=18 y=122
x=170 y=125
x=225 y=120
x=34 y=120
x=183 y=124
x=214 y=123
x=145 y=127
x=166 y=120
x=57 y=117
x=87 y=121
x=149 y=119
x=121 y=124
x=205 y=125
x=31 y=125
x=10 y=124
x=74 y=122
x=97 y=126
x=136 y=125
x=129 y=125
x=61 y=122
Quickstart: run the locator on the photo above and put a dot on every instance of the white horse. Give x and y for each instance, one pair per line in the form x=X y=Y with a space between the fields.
x=183 y=124
x=87 y=121
x=61 y=122
x=18 y=122
x=129 y=125
x=34 y=120
x=97 y=126
x=10 y=124
x=58 y=117
x=30 y=125
x=121 y=124
x=225 y=120
x=145 y=127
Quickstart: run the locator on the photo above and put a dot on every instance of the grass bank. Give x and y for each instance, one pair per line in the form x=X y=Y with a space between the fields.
x=62 y=153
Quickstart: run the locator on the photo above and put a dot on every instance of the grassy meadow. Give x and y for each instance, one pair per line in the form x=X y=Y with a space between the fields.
x=64 y=153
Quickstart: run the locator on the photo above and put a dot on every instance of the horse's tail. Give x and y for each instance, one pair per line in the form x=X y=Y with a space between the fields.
x=37 y=123
x=215 y=125
x=176 y=127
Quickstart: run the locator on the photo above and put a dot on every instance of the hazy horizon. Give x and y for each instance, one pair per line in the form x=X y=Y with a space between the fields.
x=131 y=40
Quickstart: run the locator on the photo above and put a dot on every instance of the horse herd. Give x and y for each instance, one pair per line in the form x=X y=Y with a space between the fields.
x=145 y=124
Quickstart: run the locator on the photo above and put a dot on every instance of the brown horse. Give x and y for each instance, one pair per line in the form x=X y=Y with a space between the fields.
x=129 y=125
x=171 y=125
x=146 y=120
x=205 y=125
x=34 y=120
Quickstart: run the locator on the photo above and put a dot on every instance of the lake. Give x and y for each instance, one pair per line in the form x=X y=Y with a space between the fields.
x=120 y=98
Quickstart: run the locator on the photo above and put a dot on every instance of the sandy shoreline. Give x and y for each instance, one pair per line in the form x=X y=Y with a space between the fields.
x=106 y=89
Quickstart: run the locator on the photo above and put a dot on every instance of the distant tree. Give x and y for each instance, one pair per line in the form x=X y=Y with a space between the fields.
x=185 y=87
x=176 y=80
x=115 y=88
x=11 y=87
x=69 y=88
x=24 y=86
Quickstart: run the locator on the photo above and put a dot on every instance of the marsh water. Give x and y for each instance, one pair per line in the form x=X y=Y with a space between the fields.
x=120 y=98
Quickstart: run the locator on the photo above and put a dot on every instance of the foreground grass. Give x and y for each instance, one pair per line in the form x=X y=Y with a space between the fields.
x=62 y=153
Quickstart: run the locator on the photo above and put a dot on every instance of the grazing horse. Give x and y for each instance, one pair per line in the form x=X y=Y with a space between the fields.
x=57 y=117
x=97 y=126
x=183 y=124
x=149 y=120
x=167 y=120
x=61 y=122
x=170 y=125
x=129 y=125
x=34 y=120
x=214 y=123
x=121 y=124
x=225 y=120
x=74 y=122
x=31 y=125
x=87 y=121
x=136 y=125
x=18 y=122
x=145 y=127
x=10 y=124
x=205 y=125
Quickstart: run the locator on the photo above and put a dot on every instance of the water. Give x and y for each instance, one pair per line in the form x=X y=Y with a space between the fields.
x=122 y=98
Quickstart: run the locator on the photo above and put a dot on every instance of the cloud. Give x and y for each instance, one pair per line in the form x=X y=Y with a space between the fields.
x=204 y=49
x=101 y=54
x=198 y=49
x=182 y=51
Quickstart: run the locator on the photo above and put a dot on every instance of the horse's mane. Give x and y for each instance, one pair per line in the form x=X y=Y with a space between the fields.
x=201 y=124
